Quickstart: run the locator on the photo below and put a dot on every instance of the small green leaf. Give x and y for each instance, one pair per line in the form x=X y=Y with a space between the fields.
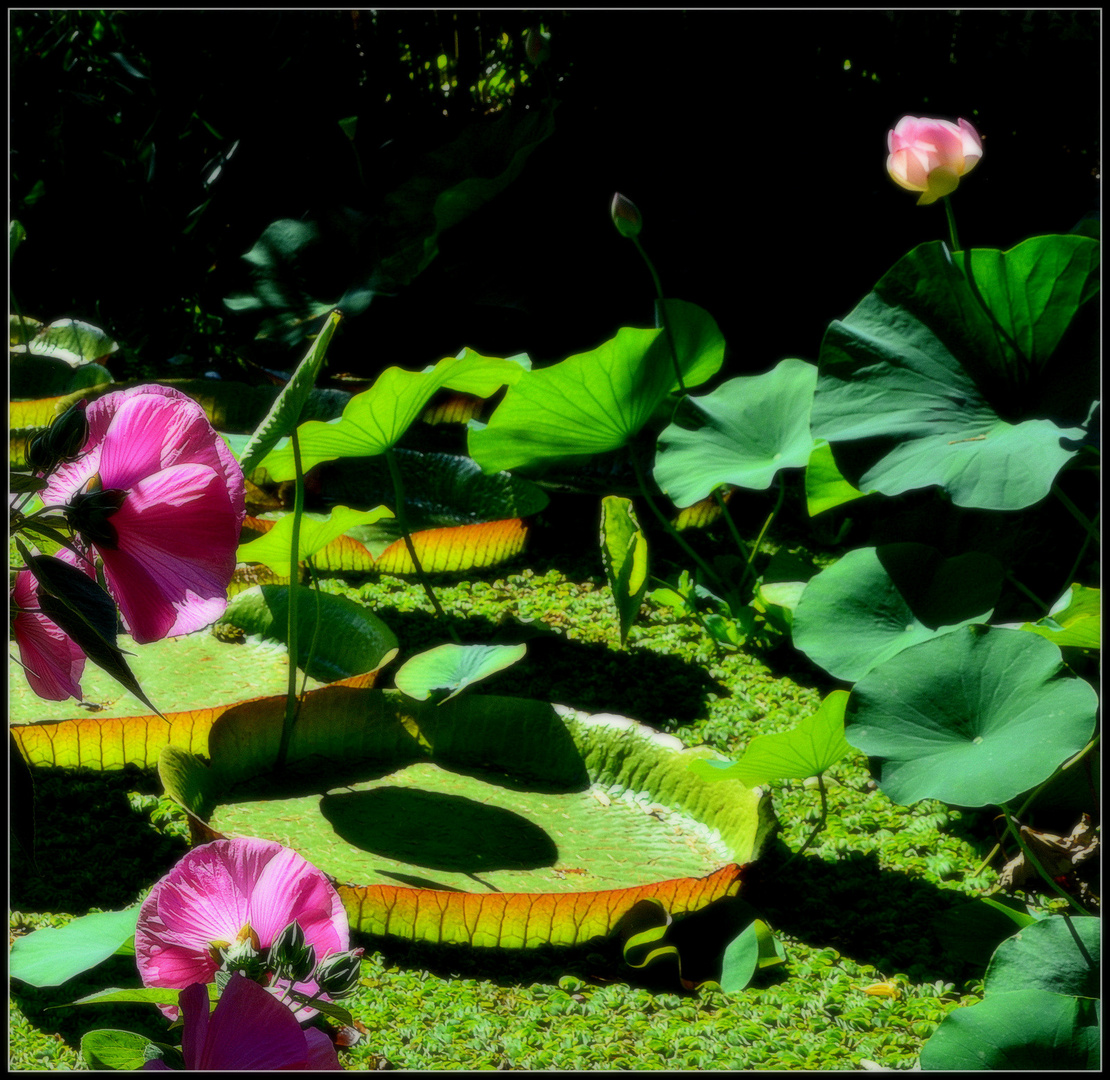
x=624 y=554
x=453 y=668
x=815 y=745
x=52 y=956
x=754 y=949
x=123 y=1050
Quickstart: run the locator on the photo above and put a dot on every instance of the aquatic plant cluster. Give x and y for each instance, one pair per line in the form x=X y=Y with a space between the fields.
x=963 y=373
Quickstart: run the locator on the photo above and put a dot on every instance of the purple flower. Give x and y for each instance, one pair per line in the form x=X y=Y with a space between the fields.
x=227 y=897
x=248 y=1029
x=160 y=497
x=52 y=660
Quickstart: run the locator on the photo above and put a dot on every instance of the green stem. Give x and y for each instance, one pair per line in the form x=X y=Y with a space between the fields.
x=1076 y=513
x=1034 y=862
x=315 y=629
x=767 y=524
x=402 y=520
x=292 y=625
x=817 y=828
x=663 y=315
x=731 y=524
x=951 y=224
x=1060 y=770
x=675 y=534
x=1041 y=605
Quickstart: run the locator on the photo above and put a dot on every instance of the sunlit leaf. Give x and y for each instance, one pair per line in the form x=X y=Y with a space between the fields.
x=453 y=667
x=825 y=483
x=273 y=548
x=466 y=547
x=53 y=955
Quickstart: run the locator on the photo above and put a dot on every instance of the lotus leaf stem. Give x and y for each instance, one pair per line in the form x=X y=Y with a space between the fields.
x=402 y=520
x=292 y=625
x=817 y=828
x=1035 y=863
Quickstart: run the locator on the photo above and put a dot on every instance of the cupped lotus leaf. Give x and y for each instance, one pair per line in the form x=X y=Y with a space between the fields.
x=73 y=342
x=465 y=547
x=336 y=637
x=624 y=554
x=875 y=602
x=53 y=955
x=973 y=718
x=374 y=420
x=454 y=668
x=285 y=413
x=273 y=548
x=1015 y=1031
x=816 y=744
x=825 y=483
x=1075 y=619
x=1060 y=954
x=743 y=433
x=923 y=385
x=595 y=402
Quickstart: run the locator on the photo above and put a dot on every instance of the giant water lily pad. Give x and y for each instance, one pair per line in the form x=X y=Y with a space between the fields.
x=483 y=819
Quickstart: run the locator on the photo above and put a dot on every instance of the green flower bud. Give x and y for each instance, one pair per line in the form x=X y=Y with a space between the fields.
x=289 y=956
x=537 y=45
x=337 y=975
x=625 y=216
x=62 y=441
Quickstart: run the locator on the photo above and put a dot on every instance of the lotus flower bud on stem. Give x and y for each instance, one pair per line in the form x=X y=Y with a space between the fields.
x=626 y=216
x=337 y=975
x=62 y=441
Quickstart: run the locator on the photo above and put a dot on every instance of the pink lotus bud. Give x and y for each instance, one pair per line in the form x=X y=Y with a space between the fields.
x=625 y=216
x=930 y=156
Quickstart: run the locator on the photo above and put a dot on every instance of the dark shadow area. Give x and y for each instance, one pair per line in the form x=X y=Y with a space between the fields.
x=875 y=916
x=413 y=882
x=441 y=832
x=92 y=849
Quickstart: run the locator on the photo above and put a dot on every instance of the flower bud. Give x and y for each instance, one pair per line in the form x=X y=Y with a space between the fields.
x=288 y=950
x=930 y=156
x=537 y=45
x=337 y=975
x=61 y=441
x=625 y=216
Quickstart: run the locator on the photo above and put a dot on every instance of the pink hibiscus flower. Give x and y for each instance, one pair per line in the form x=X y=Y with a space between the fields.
x=52 y=660
x=232 y=891
x=247 y=1030
x=160 y=497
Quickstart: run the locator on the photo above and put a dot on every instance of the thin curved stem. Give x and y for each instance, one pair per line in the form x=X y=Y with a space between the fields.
x=1035 y=863
x=675 y=534
x=817 y=828
x=663 y=315
x=292 y=624
x=402 y=520
x=1076 y=513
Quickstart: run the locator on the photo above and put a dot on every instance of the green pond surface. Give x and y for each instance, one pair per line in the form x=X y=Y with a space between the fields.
x=426 y=827
x=196 y=671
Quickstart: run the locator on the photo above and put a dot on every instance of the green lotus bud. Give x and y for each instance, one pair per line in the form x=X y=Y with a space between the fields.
x=537 y=45
x=626 y=216
x=337 y=975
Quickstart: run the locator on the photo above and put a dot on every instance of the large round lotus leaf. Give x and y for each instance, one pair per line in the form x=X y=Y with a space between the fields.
x=973 y=718
x=596 y=401
x=921 y=384
x=1057 y=954
x=1015 y=1031
x=742 y=434
x=875 y=602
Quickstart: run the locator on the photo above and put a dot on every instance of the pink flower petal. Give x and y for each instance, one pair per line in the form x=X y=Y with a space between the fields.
x=177 y=537
x=249 y=1029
